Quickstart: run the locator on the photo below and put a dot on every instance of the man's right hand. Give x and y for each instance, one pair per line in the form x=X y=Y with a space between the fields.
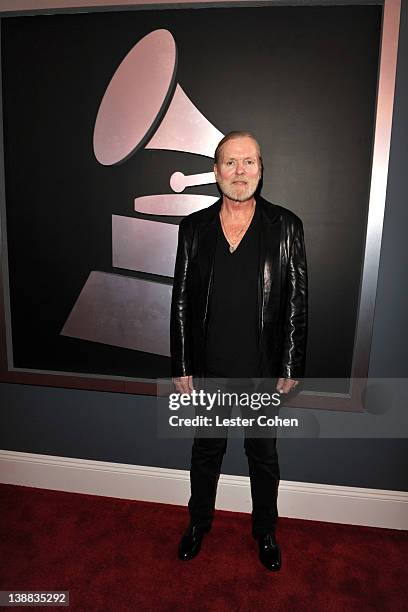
x=183 y=384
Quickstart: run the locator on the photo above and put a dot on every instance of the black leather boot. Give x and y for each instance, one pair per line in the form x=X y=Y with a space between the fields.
x=190 y=544
x=269 y=551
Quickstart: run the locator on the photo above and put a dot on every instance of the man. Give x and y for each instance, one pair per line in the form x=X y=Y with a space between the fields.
x=239 y=310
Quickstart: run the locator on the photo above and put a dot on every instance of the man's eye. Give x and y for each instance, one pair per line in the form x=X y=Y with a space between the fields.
x=249 y=162
x=230 y=163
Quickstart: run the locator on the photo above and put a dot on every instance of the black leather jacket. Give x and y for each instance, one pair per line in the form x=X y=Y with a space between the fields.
x=282 y=291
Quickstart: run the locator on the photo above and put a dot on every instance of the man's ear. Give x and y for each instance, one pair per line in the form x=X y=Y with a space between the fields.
x=215 y=170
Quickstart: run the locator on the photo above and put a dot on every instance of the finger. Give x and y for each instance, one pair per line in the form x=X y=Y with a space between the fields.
x=186 y=388
x=187 y=384
x=279 y=384
x=178 y=386
x=286 y=386
x=290 y=385
x=182 y=385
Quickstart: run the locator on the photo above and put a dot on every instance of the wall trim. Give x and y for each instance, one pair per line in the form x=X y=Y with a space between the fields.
x=317 y=502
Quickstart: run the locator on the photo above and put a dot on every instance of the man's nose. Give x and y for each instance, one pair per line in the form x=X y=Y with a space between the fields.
x=239 y=168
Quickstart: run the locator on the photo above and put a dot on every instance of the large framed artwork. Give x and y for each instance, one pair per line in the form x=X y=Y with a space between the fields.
x=110 y=119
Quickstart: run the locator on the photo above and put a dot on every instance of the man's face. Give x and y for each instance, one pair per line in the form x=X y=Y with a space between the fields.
x=238 y=170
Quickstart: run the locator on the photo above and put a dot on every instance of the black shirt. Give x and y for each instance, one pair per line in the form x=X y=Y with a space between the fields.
x=232 y=335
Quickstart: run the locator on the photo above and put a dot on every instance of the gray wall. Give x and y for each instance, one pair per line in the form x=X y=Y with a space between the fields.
x=122 y=428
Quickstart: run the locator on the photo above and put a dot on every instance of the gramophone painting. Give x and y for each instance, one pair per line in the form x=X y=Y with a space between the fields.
x=125 y=311
x=110 y=123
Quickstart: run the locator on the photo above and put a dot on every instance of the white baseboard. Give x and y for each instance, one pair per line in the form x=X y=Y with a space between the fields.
x=317 y=502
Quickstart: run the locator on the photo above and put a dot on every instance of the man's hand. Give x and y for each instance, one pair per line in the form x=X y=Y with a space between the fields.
x=284 y=385
x=183 y=384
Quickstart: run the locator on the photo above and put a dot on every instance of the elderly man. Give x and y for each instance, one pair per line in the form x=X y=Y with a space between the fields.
x=239 y=311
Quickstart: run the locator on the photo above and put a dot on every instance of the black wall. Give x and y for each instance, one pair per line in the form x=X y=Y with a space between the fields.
x=114 y=427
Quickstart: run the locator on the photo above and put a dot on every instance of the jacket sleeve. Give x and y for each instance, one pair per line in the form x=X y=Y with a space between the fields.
x=180 y=341
x=295 y=315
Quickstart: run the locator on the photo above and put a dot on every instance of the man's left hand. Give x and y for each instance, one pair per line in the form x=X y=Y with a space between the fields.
x=284 y=385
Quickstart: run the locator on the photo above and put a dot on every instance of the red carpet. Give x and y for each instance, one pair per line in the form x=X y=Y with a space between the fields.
x=118 y=555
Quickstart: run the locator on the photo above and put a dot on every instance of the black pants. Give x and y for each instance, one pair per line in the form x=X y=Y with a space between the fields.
x=206 y=461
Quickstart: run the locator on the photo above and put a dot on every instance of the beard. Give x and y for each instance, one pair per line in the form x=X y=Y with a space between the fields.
x=239 y=192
